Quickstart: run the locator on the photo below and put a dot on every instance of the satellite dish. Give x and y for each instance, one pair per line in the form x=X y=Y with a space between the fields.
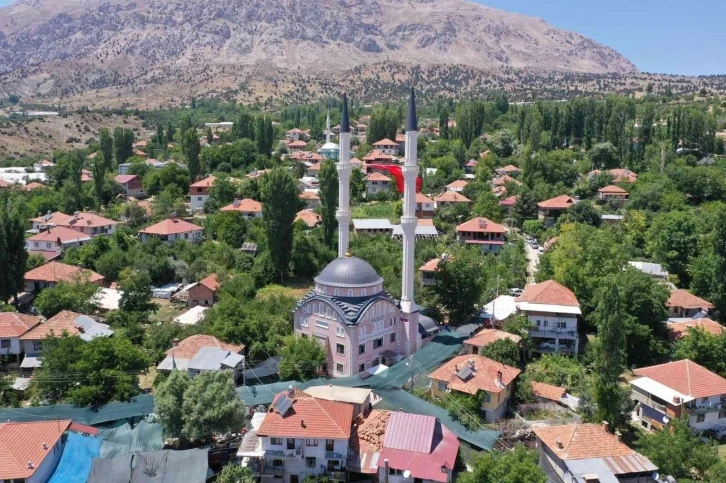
x=407 y=474
x=666 y=419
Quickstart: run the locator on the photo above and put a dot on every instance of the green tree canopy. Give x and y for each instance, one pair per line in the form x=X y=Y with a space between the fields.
x=301 y=358
x=520 y=465
x=280 y=204
x=78 y=296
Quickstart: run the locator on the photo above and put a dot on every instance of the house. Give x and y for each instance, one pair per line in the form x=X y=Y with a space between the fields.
x=552 y=309
x=89 y=224
x=52 y=242
x=680 y=329
x=377 y=183
x=503 y=180
x=302 y=435
x=425 y=206
x=373 y=226
x=30 y=451
x=550 y=210
x=361 y=398
x=171 y=230
x=65 y=321
x=309 y=218
x=313 y=171
x=449 y=198
x=508 y=204
x=131 y=184
x=547 y=392
x=43 y=165
x=295 y=134
x=486 y=337
x=472 y=374
x=428 y=271
x=48 y=275
x=483 y=232
x=470 y=165
x=680 y=388
x=296 y=146
x=457 y=186
x=387 y=146
x=508 y=170
x=499 y=191
x=204 y=292
x=33 y=185
x=683 y=304
x=397 y=447
x=623 y=175
x=376 y=156
x=199 y=192
x=612 y=193
x=306 y=157
x=588 y=453
x=203 y=353
x=86 y=176
x=12 y=326
x=655 y=270
x=357 y=164
x=248 y=207
x=310 y=197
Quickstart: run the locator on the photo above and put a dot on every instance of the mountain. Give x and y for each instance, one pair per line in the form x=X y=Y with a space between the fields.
x=161 y=49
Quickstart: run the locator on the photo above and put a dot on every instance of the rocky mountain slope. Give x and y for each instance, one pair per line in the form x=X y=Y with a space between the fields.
x=163 y=48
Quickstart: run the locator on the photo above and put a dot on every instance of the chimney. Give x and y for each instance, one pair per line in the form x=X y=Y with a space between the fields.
x=606 y=426
x=76 y=214
x=235 y=203
x=175 y=342
x=385 y=470
x=290 y=391
x=558 y=443
x=45 y=445
x=499 y=378
x=471 y=364
x=456 y=367
x=30 y=465
x=619 y=435
x=676 y=400
x=302 y=423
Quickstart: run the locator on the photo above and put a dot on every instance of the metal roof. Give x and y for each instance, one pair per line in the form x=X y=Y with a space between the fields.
x=410 y=432
x=212 y=359
x=348 y=272
x=351 y=308
x=373 y=224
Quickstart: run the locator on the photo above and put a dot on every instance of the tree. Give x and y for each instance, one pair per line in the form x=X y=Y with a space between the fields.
x=703 y=348
x=603 y=156
x=357 y=185
x=210 y=136
x=191 y=149
x=99 y=178
x=136 y=292
x=280 y=204
x=301 y=358
x=328 y=200
x=78 y=296
x=672 y=239
x=519 y=465
x=459 y=286
x=168 y=401
x=123 y=141
x=718 y=285
x=13 y=255
x=582 y=212
x=505 y=351
x=235 y=473
x=679 y=452
x=106 y=144
x=525 y=208
x=609 y=353
x=211 y=405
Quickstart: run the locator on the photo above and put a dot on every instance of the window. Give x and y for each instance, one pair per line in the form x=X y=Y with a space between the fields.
x=363 y=292
x=304 y=322
x=329 y=445
x=704 y=400
x=396 y=472
x=377 y=343
x=279 y=464
x=700 y=418
x=538 y=323
x=4 y=344
x=339 y=349
x=47 y=245
x=362 y=348
x=186 y=236
x=362 y=367
x=546 y=323
x=290 y=443
x=37 y=345
x=321 y=324
x=561 y=325
x=310 y=462
x=340 y=332
x=350 y=292
x=375 y=362
x=333 y=465
x=393 y=337
x=339 y=368
x=276 y=441
x=721 y=414
x=311 y=442
x=336 y=292
x=488 y=397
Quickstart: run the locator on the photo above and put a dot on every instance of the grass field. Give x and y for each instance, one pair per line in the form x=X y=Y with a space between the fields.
x=166 y=312
x=295 y=289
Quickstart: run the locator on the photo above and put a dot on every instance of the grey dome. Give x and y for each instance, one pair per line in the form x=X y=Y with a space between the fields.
x=348 y=272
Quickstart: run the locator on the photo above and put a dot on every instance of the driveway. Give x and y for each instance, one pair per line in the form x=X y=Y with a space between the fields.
x=532 y=262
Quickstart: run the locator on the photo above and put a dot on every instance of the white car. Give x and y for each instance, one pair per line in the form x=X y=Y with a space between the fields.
x=540 y=250
x=515 y=292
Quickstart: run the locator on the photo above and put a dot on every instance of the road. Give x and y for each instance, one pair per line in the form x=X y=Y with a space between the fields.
x=532 y=262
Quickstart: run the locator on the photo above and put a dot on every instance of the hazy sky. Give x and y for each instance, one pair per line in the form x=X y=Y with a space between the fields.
x=670 y=36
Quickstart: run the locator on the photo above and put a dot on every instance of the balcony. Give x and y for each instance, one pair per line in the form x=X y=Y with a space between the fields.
x=553 y=333
x=705 y=409
x=645 y=399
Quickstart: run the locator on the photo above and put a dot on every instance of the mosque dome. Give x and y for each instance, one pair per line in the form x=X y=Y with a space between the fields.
x=329 y=147
x=348 y=272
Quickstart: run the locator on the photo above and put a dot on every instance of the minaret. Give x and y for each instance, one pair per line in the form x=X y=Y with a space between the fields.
x=344 y=170
x=408 y=224
x=327 y=128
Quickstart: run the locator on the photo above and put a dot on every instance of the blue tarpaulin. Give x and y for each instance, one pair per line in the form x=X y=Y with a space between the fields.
x=75 y=463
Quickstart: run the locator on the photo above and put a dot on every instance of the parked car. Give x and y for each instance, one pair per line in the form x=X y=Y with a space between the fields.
x=540 y=250
x=534 y=244
x=515 y=292
x=547 y=345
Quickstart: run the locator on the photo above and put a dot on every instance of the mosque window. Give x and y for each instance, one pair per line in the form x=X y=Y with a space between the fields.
x=350 y=292
x=362 y=292
x=336 y=292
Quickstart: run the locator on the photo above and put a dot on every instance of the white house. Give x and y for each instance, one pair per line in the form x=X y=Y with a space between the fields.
x=172 y=230
x=12 y=326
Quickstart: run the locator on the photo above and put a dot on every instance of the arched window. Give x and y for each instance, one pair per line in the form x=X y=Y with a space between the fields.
x=327 y=312
x=350 y=292
x=336 y=292
x=362 y=292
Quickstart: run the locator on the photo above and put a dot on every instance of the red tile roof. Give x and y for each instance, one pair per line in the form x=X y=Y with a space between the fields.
x=685 y=299
x=308 y=417
x=315 y=167
x=681 y=329
x=559 y=203
x=489 y=336
x=451 y=197
x=581 y=441
x=297 y=144
x=246 y=205
x=686 y=377
x=211 y=282
x=548 y=391
x=503 y=180
x=623 y=175
x=57 y=271
x=188 y=348
x=22 y=443
x=481 y=225
x=125 y=178
x=510 y=168
x=420 y=198
x=309 y=217
x=375 y=176
x=549 y=293
x=63 y=321
x=306 y=156
x=385 y=142
x=459 y=183
x=484 y=377
x=430 y=266
x=170 y=227
x=33 y=185
x=204 y=183
x=59 y=233
x=511 y=201
x=309 y=195
x=87 y=219
x=13 y=324
x=612 y=189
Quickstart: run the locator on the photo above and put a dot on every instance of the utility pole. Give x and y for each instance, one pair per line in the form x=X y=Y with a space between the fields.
x=410 y=364
x=662 y=157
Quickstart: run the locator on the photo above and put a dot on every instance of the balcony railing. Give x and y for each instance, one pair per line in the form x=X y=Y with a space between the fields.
x=643 y=398
x=705 y=409
x=552 y=332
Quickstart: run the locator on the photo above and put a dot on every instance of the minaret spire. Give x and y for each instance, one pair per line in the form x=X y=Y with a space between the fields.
x=344 y=170
x=327 y=128
x=409 y=221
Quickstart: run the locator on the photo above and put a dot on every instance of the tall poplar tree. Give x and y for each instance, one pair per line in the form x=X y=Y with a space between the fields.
x=280 y=204
x=328 y=199
x=191 y=149
x=106 y=142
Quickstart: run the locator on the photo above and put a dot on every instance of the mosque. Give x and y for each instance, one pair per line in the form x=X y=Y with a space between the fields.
x=358 y=323
x=329 y=150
